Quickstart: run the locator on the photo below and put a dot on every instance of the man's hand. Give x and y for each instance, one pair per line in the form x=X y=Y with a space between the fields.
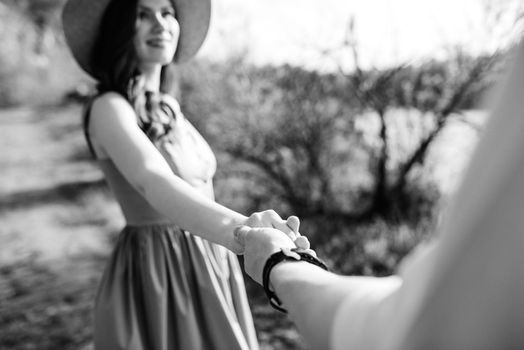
x=259 y=243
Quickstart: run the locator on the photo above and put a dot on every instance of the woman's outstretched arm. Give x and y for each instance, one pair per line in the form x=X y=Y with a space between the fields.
x=114 y=129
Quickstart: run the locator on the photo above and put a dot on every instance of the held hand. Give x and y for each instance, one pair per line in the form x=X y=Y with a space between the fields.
x=300 y=241
x=269 y=218
x=259 y=243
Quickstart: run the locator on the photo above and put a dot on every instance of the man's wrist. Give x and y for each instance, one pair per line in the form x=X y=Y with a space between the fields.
x=284 y=256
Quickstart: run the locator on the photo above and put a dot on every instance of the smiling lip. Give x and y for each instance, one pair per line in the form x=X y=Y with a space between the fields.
x=158 y=42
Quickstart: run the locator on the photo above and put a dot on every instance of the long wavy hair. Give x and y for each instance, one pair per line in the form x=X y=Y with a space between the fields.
x=114 y=59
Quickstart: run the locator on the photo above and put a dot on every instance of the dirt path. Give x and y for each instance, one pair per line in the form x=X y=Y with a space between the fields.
x=45 y=184
x=39 y=149
x=51 y=255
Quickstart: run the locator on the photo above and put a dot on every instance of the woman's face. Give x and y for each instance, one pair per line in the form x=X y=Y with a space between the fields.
x=157 y=33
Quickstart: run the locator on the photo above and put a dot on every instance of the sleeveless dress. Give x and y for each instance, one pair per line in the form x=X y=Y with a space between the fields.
x=164 y=288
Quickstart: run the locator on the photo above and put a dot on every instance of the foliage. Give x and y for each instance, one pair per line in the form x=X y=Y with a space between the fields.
x=14 y=38
x=287 y=130
x=439 y=90
x=423 y=87
x=42 y=13
x=35 y=65
x=374 y=248
x=292 y=141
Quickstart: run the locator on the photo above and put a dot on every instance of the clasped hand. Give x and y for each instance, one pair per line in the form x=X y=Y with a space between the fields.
x=265 y=233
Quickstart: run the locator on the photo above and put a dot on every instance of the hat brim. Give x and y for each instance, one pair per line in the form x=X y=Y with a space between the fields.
x=81 y=21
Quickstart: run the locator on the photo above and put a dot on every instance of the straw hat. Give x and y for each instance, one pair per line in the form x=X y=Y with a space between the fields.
x=82 y=18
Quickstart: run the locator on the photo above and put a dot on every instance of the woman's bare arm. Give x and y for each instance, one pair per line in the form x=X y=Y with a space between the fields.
x=113 y=126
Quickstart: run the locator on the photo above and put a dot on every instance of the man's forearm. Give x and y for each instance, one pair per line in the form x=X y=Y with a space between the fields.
x=311 y=295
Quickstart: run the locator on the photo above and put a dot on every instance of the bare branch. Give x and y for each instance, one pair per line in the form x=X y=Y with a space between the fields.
x=286 y=185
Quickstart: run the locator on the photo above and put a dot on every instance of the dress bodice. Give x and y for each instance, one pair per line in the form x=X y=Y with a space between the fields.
x=184 y=149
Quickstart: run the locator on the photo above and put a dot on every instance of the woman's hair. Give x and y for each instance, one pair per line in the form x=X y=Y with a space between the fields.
x=114 y=58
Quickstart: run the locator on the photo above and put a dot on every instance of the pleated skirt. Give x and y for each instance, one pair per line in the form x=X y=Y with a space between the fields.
x=164 y=288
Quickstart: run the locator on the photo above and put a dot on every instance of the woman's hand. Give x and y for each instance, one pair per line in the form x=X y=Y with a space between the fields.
x=269 y=218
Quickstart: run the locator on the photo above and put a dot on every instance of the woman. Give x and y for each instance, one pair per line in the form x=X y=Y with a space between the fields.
x=163 y=288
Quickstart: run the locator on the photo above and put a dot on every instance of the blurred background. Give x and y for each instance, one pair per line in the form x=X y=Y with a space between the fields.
x=357 y=116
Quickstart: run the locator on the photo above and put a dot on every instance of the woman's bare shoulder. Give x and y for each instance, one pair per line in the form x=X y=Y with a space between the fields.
x=111 y=115
x=110 y=102
x=109 y=109
x=104 y=115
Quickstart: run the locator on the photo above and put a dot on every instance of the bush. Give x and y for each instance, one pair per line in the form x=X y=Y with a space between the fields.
x=374 y=248
x=296 y=141
x=16 y=36
x=35 y=65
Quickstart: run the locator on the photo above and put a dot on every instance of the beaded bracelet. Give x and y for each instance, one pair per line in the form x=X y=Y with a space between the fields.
x=285 y=254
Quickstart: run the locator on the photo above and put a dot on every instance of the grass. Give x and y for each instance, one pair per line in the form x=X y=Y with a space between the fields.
x=47 y=306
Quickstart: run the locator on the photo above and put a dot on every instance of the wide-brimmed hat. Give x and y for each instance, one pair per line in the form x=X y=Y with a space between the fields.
x=81 y=21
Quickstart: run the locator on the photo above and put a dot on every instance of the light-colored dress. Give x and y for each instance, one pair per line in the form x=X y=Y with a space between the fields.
x=165 y=288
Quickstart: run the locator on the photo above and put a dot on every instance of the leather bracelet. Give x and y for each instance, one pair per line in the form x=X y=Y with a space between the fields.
x=285 y=254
